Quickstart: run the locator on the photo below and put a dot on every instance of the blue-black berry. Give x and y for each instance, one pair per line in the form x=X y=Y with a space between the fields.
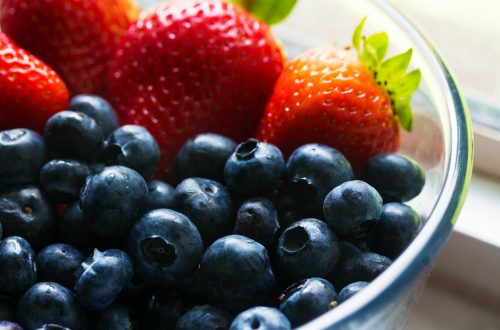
x=207 y=204
x=50 y=303
x=352 y=209
x=396 y=229
x=308 y=248
x=102 y=277
x=26 y=212
x=238 y=273
x=73 y=135
x=23 y=154
x=311 y=172
x=63 y=179
x=160 y=195
x=134 y=147
x=350 y=290
x=112 y=199
x=204 y=317
x=396 y=177
x=257 y=218
x=17 y=266
x=98 y=109
x=115 y=317
x=307 y=299
x=254 y=168
x=204 y=156
x=165 y=246
x=261 y=318
x=365 y=266
x=58 y=263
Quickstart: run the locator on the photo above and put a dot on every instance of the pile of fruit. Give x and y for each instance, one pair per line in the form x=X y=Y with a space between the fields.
x=289 y=194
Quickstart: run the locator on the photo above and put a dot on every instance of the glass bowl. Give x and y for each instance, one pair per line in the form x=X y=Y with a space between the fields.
x=441 y=141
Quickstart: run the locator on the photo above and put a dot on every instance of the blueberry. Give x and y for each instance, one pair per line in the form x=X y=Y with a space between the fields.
x=73 y=229
x=261 y=318
x=396 y=229
x=365 y=266
x=307 y=299
x=254 y=168
x=163 y=310
x=396 y=177
x=165 y=246
x=102 y=277
x=111 y=200
x=312 y=171
x=160 y=195
x=23 y=153
x=207 y=204
x=308 y=248
x=58 y=263
x=237 y=272
x=257 y=218
x=73 y=135
x=7 y=325
x=50 y=303
x=204 y=317
x=115 y=317
x=25 y=212
x=96 y=108
x=62 y=179
x=350 y=290
x=134 y=147
x=7 y=309
x=204 y=156
x=353 y=208
x=17 y=266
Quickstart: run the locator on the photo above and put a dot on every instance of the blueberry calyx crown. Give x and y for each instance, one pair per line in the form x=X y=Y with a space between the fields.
x=390 y=74
x=295 y=240
x=247 y=149
x=158 y=251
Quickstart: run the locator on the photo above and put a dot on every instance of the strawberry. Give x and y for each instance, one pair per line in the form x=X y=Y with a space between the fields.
x=194 y=66
x=30 y=91
x=75 y=37
x=353 y=103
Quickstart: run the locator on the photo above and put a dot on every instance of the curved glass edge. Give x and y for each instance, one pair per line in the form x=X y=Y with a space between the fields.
x=393 y=282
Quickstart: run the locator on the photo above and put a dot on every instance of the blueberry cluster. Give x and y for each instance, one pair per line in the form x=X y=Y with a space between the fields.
x=246 y=240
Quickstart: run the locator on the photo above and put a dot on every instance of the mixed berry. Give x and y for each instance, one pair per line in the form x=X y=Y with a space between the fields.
x=174 y=170
x=94 y=242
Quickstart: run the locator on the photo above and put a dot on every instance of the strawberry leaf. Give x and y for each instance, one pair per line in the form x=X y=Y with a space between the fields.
x=376 y=45
x=390 y=74
x=356 y=37
x=270 y=11
x=394 y=68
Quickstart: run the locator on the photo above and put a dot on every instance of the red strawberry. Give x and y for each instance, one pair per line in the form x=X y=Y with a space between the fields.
x=75 y=37
x=30 y=91
x=194 y=66
x=330 y=96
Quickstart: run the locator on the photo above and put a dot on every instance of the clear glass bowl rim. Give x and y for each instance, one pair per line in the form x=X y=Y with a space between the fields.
x=420 y=254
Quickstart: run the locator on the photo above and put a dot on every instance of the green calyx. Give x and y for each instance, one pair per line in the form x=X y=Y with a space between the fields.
x=391 y=73
x=270 y=11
